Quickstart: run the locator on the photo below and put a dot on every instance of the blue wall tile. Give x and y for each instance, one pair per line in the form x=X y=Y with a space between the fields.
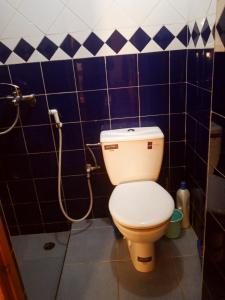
x=90 y=73
x=51 y=212
x=177 y=97
x=4 y=75
x=122 y=70
x=218 y=84
x=198 y=104
x=33 y=217
x=177 y=153
x=28 y=77
x=66 y=104
x=125 y=123
x=75 y=187
x=13 y=142
x=44 y=165
x=17 y=189
x=92 y=130
x=35 y=115
x=14 y=167
x=177 y=127
x=58 y=76
x=124 y=102
x=39 y=139
x=154 y=99
x=73 y=162
x=46 y=189
x=200 y=63
x=154 y=68
x=178 y=66
x=71 y=136
x=94 y=105
x=161 y=121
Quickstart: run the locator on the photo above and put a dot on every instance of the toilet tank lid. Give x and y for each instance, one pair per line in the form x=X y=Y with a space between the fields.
x=131 y=134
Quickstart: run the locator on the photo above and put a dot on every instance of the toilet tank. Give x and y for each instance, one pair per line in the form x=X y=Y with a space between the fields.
x=132 y=154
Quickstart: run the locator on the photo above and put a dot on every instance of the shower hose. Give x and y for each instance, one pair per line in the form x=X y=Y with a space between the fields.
x=14 y=123
x=59 y=186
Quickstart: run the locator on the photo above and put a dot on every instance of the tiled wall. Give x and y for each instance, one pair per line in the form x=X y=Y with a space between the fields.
x=62 y=29
x=96 y=93
x=199 y=90
x=107 y=69
x=214 y=274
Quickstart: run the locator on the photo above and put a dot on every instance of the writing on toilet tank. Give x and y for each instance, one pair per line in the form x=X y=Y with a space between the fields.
x=111 y=147
x=149 y=145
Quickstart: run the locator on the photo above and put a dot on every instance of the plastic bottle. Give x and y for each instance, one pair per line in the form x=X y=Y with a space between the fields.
x=183 y=203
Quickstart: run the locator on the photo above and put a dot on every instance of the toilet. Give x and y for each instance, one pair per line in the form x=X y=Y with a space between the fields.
x=140 y=208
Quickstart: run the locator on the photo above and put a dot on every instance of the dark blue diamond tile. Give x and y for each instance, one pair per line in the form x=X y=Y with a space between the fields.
x=47 y=47
x=140 y=39
x=4 y=53
x=195 y=34
x=24 y=50
x=221 y=27
x=93 y=43
x=183 y=36
x=116 y=41
x=163 y=38
x=205 y=32
x=70 y=45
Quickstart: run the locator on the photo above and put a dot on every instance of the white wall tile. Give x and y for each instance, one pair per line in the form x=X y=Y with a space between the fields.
x=6 y=14
x=83 y=53
x=164 y=13
x=20 y=27
x=138 y=11
x=80 y=36
x=212 y=8
x=114 y=18
x=60 y=55
x=14 y=59
x=67 y=22
x=198 y=9
x=14 y=3
x=41 y=13
x=37 y=57
x=89 y=11
x=181 y=6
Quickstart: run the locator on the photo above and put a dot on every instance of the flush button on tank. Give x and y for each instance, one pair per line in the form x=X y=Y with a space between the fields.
x=131 y=129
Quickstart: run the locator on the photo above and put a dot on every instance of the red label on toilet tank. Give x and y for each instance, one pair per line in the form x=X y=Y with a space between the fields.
x=149 y=145
x=111 y=147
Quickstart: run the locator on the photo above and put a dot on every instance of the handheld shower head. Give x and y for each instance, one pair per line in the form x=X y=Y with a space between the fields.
x=55 y=114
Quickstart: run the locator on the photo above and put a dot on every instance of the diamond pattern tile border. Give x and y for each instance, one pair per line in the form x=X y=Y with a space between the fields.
x=116 y=41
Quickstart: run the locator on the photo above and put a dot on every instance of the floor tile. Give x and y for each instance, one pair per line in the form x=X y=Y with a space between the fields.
x=186 y=245
x=41 y=277
x=93 y=245
x=95 y=281
x=30 y=246
x=159 y=284
x=190 y=282
x=92 y=223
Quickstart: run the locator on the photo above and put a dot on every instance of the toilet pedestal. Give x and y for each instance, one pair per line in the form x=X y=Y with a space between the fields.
x=142 y=255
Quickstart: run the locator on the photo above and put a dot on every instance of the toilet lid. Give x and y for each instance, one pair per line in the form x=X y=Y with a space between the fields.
x=140 y=204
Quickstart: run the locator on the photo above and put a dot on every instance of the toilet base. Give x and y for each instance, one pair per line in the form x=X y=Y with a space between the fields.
x=142 y=255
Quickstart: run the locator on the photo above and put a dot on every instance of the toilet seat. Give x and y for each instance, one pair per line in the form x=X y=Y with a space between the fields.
x=141 y=204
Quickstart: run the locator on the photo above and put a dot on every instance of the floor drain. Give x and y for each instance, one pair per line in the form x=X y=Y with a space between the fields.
x=49 y=246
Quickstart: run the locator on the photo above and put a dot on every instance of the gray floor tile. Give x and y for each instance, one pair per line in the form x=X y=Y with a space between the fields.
x=92 y=224
x=92 y=245
x=95 y=281
x=190 y=281
x=186 y=245
x=30 y=246
x=160 y=284
x=41 y=277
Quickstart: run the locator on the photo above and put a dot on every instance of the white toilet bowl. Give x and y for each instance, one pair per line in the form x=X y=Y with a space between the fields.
x=141 y=210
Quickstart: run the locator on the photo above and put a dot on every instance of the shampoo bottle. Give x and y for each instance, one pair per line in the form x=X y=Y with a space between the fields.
x=183 y=203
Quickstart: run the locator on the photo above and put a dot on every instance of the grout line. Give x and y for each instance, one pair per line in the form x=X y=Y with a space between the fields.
x=107 y=90
x=139 y=97
x=13 y=207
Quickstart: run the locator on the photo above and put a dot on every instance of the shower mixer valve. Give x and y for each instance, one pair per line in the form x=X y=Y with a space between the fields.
x=17 y=97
